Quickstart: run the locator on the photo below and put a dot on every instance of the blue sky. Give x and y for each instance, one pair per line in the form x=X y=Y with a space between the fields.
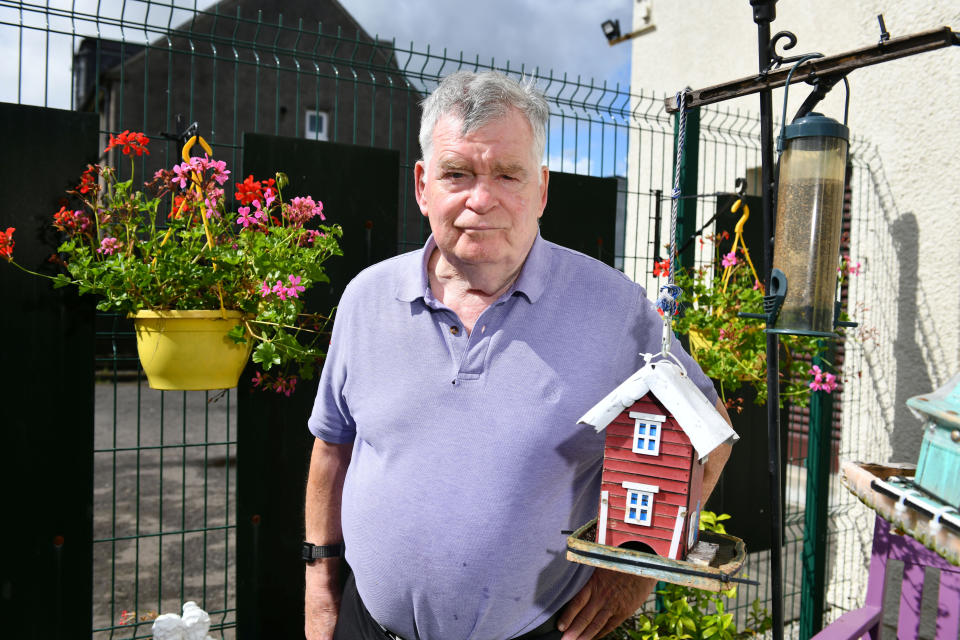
x=562 y=35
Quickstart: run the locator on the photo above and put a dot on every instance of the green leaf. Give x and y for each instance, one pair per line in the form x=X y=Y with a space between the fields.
x=238 y=334
x=266 y=355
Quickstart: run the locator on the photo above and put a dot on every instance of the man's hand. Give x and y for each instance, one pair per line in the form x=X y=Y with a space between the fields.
x=608 y=598
x=321 y=601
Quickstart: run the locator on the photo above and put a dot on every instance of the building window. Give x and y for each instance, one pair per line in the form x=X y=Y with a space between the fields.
x=315 y=125
x=646 y=433
x=639 y=506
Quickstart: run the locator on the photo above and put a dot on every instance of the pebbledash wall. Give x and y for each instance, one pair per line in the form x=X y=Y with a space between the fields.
x=905 y=193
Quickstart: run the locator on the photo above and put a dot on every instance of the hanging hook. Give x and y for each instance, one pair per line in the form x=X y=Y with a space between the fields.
x=740 y=185
x=786 y=88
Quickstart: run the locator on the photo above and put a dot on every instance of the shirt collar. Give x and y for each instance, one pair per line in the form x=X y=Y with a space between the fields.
x=531 y=282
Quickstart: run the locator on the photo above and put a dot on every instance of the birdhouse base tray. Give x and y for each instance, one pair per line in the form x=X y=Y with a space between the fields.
x=710 y=565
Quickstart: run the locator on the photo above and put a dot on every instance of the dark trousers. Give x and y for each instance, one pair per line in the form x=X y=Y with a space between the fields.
x=356 y=623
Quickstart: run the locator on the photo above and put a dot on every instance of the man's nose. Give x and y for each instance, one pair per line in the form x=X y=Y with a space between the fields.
x=482 y=195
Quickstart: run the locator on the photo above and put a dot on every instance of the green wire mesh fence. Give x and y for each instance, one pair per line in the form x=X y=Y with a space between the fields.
x=165 y=462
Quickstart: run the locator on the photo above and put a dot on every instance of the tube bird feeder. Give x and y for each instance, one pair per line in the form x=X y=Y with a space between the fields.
x=808 y=224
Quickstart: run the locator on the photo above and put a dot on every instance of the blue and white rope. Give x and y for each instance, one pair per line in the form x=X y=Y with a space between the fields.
x=668 y=301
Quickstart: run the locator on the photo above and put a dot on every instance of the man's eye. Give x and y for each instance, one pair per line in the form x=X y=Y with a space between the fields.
x=454 y=175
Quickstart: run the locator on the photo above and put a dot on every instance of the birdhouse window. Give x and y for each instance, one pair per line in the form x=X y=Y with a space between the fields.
x=639 y=506
x=646 y=432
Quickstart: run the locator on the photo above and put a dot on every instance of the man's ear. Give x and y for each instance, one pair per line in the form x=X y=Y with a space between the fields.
x=544 y=180
x=420 y=184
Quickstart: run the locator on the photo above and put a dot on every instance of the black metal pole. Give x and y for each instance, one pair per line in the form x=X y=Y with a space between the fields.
x=764 y=12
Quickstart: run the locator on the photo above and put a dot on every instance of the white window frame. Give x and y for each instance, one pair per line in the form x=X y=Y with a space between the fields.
x=641 y=491
x=644 y=422
x=311 y=133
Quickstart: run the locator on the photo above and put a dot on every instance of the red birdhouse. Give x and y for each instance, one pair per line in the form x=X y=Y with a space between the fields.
x=660 y=429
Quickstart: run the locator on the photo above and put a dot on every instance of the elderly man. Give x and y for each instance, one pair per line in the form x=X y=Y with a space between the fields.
x=448 y=459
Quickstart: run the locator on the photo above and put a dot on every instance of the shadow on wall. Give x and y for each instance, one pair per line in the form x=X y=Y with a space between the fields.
x=912 y=370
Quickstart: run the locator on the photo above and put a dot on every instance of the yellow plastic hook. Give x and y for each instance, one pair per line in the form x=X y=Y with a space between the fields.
x=185 y=154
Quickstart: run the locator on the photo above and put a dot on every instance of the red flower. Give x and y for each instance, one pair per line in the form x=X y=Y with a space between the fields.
x=178 y=208
x=130 y=142
x=87 y=180
x=6 y=243
x=71 y=221
x=661 y=268
x=250 y=190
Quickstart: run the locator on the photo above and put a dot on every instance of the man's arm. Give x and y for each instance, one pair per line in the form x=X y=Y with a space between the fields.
x=610 y=597
x=328 y=466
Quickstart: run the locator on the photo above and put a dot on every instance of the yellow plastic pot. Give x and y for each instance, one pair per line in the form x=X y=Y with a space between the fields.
x=190 y=350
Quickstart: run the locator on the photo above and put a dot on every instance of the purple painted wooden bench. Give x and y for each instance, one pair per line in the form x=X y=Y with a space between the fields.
x=922 y=607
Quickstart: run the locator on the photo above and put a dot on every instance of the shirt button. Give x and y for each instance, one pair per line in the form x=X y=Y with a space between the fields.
x=455 y=330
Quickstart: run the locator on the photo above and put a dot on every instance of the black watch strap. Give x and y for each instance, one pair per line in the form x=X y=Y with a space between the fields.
x=310 y=552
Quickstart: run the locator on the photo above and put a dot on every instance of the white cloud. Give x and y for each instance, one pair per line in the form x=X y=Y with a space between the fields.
x=562 y=35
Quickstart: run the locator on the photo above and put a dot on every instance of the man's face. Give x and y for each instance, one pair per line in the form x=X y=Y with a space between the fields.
x=483 y=192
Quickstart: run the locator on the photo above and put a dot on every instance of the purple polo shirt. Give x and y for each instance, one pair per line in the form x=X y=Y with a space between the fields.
x=467 y=461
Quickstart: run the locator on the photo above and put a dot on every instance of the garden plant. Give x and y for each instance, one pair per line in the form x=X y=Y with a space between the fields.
x=177 y=243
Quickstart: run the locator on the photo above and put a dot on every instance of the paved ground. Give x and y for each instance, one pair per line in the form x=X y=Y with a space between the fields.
x=164 y=494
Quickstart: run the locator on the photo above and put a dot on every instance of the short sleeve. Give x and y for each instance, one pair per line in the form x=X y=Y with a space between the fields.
x=331 y=420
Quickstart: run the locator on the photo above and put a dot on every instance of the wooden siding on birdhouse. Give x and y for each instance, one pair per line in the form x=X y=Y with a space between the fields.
x=674 y=472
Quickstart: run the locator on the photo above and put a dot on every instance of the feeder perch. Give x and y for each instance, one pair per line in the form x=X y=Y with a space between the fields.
x=659 y=431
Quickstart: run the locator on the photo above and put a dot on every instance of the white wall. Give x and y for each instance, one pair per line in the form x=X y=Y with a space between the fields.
x=906 y=186
x=906 y=109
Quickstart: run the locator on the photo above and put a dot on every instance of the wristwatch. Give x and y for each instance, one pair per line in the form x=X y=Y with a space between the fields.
x=310 y=552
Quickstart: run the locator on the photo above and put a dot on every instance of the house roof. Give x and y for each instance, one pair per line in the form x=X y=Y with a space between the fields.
x=666 y=380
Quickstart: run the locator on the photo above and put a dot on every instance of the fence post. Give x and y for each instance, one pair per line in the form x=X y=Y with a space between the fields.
x=814 y=558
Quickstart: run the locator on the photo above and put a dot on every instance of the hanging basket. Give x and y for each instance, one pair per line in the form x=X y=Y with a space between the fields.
x=190 y=350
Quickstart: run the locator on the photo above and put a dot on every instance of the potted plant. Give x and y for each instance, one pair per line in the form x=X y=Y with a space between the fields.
x=207 y=285
x=733 y=350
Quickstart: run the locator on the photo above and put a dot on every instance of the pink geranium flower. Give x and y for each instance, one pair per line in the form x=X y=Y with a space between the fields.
x=245 y=218
x=822 y=381
x=182 y=172
x=295 y=287
x=729 y=259
x=302 y=209
x=109 y=246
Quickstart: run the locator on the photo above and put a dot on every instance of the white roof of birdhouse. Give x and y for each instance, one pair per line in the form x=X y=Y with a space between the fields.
x=666 y=380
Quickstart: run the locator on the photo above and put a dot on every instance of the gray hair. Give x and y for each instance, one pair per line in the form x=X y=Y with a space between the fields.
x=477 y=99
